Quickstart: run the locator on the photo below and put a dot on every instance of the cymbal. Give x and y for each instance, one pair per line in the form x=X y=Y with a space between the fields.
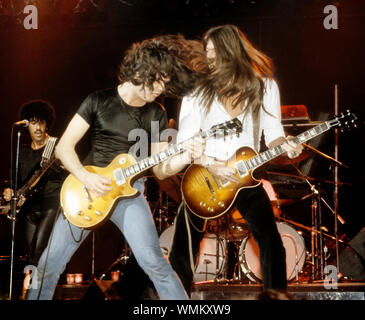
x=283 y=160
x=282 y=202
x=307 y=178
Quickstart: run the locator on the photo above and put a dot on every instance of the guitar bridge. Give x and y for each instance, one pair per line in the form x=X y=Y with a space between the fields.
x=209 y=185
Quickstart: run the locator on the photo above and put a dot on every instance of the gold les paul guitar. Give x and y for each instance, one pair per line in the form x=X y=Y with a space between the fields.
x=84 y=210
x=209 y=197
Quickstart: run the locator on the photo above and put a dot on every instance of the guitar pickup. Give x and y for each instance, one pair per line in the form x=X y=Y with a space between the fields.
x=87 y=194
x=209 y=185
x=119 y=177
x=241 y=168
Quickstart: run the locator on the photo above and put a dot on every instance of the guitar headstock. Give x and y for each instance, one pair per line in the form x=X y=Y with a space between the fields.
x=230 y=127
x=344 y=121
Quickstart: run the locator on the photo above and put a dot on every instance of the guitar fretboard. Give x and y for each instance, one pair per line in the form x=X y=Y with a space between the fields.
x=229 y=127
x=272 y=153
x=153 y=160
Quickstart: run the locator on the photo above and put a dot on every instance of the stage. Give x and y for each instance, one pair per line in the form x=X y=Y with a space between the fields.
x=300 y=291
x=106 y=290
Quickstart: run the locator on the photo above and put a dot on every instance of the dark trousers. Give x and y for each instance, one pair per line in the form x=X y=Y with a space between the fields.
x=255 y=206
x=37 y=226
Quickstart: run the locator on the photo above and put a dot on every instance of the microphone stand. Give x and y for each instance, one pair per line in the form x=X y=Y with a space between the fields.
x=13 y=205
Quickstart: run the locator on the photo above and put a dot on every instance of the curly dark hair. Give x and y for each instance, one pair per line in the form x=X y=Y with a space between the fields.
x=180 y=60
x=38 y=110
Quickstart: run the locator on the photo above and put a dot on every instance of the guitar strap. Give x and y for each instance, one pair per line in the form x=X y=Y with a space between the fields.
x=256 y=129
x=48 y=151
x=188 y=222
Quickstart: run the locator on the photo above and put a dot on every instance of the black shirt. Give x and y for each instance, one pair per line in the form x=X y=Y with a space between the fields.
x=111 y=122
x=50 y=183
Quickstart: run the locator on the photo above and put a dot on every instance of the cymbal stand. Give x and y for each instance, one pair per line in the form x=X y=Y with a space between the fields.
x=335 y=191
x=317 y=255
x=316 y=236
x=217 y=253
x=160 y=212
x=123 y=258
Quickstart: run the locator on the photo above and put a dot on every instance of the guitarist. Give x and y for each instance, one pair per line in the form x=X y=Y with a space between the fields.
x=241 y=85
x=148 y=69
x=37 y=210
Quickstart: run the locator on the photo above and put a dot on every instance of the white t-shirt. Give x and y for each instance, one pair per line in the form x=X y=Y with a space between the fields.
x=193 y=118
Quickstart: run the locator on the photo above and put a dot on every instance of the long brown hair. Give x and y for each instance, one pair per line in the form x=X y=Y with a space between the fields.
x=239 y=70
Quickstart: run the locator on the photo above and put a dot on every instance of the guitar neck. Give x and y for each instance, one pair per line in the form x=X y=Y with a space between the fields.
x=160 y=157
x=229 y=127
x=152 y=161
x=272 y=153
x=35 y=178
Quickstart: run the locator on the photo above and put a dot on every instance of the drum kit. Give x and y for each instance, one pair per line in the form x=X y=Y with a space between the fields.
x=228 y=251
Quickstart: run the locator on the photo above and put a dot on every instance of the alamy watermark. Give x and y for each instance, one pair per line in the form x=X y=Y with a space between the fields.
x=331 y=277
x=31 y=20
x=331 y=20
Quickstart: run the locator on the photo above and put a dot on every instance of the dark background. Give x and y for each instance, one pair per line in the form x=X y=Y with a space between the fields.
x=76 y=51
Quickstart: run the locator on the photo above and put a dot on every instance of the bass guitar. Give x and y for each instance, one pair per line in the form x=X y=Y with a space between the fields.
x=84 y=210
x=27 y=190
x=209 y=197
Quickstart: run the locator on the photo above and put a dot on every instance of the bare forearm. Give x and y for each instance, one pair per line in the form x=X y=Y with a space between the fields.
x=70 y=160
x=172 y=166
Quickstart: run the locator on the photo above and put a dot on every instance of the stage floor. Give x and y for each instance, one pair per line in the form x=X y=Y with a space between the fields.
x=296 y=291
x=229 y=291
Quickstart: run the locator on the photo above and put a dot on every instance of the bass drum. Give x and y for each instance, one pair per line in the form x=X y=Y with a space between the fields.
x=210 y=261
x=295 y=253
x=165 y=241
x=206 y=267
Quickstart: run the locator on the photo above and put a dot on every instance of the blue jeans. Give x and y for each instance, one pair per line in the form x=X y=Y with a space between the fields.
x=134 y=219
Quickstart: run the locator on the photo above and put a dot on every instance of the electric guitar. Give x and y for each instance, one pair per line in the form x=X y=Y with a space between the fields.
x=209 y=197
x=27 y=190
x=84 y=210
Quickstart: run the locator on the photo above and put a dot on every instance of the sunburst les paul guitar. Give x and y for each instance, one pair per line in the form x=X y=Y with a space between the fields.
x=209 y=197
x=85 y=210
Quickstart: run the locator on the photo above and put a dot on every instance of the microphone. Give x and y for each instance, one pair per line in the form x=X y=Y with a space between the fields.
x=24 y=123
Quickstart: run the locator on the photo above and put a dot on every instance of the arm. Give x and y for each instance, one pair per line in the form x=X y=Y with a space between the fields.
x=189 y=124
x=271 y=122
x=176 y=163
x=65 y=151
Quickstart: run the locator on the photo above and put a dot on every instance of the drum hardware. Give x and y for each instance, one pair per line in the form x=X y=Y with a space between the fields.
x=123 y=258
x=307 y=178
x=166 y=199
x=206 y=262
x=160 y=213
x=317 y=248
